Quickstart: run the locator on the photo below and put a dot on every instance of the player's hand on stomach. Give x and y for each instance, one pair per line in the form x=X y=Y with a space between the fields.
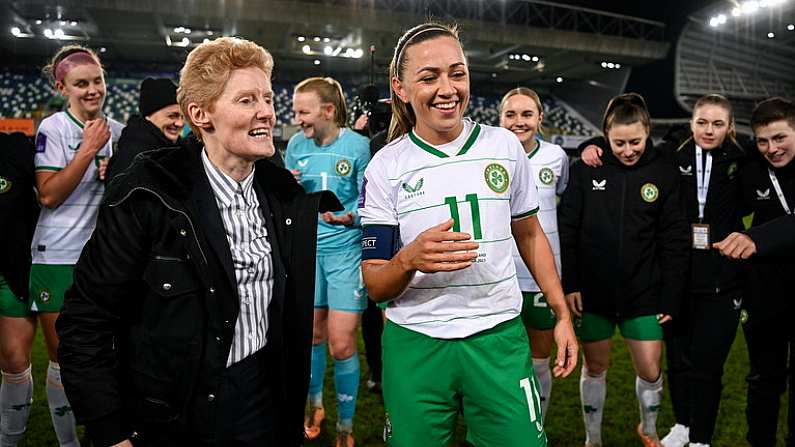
x=438 y=249
x=95 y=136
x=125 y=443
x=566 y=340
x=296 y=174
x=332 y=219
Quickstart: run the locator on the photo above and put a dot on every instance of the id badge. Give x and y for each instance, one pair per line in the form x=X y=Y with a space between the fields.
x=701 y=237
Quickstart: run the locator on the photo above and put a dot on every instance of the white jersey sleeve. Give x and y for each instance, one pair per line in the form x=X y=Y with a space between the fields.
x=563 y=178
x=376 y=195
x=50 y=150
x=524 y=195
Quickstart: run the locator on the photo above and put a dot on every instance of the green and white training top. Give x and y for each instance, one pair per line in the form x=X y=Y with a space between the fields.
x=62 y=232
x=482 y=180
x=551 y=175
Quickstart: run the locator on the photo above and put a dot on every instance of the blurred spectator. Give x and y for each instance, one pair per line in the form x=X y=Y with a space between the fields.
x=159 y=124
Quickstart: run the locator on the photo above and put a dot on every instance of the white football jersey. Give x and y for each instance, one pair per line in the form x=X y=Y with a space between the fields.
x=482 y=180
x=62 y=232
x=551 y=175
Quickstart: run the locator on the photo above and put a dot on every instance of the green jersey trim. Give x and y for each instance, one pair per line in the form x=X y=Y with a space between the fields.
x=473 y=136
x=535 y=150
x=532 y=212
x=48 y=168
x=466 y=285
x=74 y=119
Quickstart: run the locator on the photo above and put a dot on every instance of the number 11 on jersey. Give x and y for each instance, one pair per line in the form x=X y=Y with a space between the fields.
x=452 y=202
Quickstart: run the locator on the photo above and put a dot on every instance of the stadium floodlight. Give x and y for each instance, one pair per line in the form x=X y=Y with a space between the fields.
x=210 y=32
x=736 y=12
x=790 y=27
x=15 y=31
x=526 y=57
x=316 y=62
x=306 y=49
x=62 y=22
x=326 y=40
x=771 y=35
x=206 y=40
x=721 y=19
x=604 y=64
x=179 y=29
x=713 y=22
x=618 y=66
x=48 y=33
x=358 y=53
x=535 y=59
x=750 y=7
x=301 y=38
x=103 y=49
x=38 y=22
x=328 y=50
x=187 y=31
x=611 y=65
x=559 y=79
x=73 y=23
x=316 y=39
x=184 y=42
x=336 y=51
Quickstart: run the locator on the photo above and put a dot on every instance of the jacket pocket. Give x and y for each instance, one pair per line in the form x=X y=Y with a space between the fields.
x=170 y=276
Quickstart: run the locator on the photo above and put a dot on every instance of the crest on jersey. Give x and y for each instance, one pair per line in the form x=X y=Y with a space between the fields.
x=599 y=186
x=686 y=171
x=5 y=185
x=546 y=176
x=732 y=170
x=302 y=163
x=496 y=177
x=763 y=195
x=44 y=295
x=343 y=167
x=649 y=192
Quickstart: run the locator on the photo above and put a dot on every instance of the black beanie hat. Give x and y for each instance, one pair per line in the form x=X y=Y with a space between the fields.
x=156 y=94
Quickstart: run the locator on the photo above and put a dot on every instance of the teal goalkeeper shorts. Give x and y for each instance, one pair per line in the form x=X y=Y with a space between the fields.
x=488 y=374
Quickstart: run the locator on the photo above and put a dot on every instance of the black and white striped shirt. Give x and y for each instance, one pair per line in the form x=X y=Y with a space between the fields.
x=251 y=257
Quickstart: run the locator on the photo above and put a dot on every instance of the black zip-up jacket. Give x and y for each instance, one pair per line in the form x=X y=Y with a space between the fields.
x=771 y=275
x=19 y=210
x=710 y=273
x=140 y=135
x=146 y=328
x=623 y=237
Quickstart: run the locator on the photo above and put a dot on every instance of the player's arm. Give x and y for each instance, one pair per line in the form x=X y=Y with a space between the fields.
x=55 y=186
x=537 y=255
x=436 y=249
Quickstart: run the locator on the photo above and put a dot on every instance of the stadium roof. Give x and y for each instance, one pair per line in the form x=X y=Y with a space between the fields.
x=507 y=41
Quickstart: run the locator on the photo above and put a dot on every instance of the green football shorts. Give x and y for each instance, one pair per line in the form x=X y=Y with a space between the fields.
x=593 y=327
x=10 y=304
x=48 y=284
x=488 y=374
x=536 y=313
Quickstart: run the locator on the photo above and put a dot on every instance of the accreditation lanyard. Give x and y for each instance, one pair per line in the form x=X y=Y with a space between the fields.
x=702 y=180
x=779 y=192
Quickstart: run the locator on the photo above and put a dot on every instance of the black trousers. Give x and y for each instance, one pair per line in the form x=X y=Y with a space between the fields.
x=372 y=327
x=771 y=344
x=697 y=345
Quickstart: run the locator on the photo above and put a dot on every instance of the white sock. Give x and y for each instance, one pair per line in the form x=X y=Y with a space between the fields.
x=16 y=397
x=593 y=391
x=63 y=420
x=544 y=376
x=698 y=444
x=649 y=398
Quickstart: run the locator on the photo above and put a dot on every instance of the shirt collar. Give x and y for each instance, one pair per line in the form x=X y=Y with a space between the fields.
x=225 y=187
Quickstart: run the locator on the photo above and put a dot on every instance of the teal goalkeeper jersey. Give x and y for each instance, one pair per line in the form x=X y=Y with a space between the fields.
x=339 y=168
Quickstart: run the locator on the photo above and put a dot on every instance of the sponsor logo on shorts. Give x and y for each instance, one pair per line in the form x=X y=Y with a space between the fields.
x=343 y=167
x=649 y=192
x=496 y=177
x=546 y=176
x=599 y=186
x=5 y=185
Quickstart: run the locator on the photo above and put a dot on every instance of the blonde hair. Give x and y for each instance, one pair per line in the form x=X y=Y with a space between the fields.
x=722 y=102
x=63 y=53
x=628 y=108
x=208 y=67
x=403 y=118
x=330 y=92
x=530 y=93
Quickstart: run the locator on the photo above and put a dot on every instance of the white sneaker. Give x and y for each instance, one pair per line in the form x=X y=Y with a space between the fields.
x=679 y=436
